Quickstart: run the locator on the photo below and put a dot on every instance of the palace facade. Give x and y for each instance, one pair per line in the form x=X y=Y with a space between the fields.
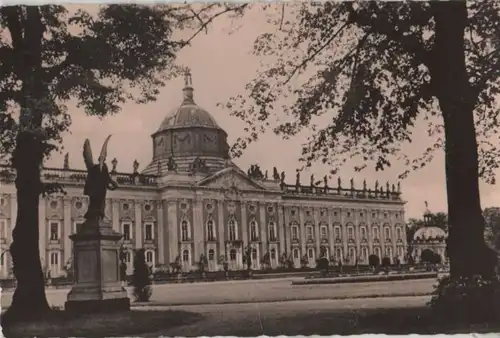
x=191 y=199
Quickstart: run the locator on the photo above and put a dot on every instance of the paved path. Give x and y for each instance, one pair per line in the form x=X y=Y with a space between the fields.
x=305 y=317
x=259 y=291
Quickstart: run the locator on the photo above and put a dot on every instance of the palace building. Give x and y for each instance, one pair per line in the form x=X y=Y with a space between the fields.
x=191 y=199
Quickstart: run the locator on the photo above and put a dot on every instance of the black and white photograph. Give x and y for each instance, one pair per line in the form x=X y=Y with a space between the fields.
x=249 y=169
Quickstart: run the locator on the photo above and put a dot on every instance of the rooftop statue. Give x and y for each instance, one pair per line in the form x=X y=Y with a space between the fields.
x=98 y=181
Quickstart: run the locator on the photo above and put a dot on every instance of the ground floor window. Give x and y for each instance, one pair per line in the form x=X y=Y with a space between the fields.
x=232 y=255
x=185 y=256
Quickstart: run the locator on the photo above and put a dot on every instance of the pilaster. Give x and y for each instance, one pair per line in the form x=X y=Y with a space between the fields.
x=198 y=226
x=220 y=228
x=394 y=240
x=263 y=229
x=172 y=233
x=115 y=215
x=42 y=240
x=317 y=231
x=138 y=224
x=343 y=227
x=66 y=230
x=288 y=232
x=244 y=225
x=357 y=234
x=280 y=223
x=13 y=217
x=302 y=229
x=160 y=240
x=331 y=240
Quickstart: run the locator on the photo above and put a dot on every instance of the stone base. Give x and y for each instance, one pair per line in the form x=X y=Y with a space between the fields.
x=97 y=306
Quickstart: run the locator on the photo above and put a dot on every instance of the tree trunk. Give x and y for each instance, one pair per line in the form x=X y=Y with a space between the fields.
x=466 y=246
x=29 y=300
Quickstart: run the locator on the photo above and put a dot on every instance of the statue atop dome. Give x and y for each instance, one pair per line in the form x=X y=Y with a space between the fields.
x=188 y=87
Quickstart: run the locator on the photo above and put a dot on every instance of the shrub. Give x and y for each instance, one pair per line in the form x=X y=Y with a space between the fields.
x=322 y=263
x=373 y=261
x=466 y=299
x=429 y=256
x=141 y=280
x=304 y=261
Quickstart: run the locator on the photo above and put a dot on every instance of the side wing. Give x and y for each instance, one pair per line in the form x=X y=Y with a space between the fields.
x=87 y=154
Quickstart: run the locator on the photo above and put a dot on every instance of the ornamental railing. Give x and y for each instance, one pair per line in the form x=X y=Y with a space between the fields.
x=7 y=174
x=290 y=189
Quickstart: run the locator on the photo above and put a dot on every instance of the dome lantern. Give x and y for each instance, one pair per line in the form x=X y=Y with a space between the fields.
x=188 y=88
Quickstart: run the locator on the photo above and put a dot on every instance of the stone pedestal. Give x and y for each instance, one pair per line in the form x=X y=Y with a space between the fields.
x=97 y=271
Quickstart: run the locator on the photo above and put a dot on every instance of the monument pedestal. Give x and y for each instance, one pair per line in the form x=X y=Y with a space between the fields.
x=97 y=271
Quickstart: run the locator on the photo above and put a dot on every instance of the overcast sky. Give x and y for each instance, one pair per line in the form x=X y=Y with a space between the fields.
x=221 y=65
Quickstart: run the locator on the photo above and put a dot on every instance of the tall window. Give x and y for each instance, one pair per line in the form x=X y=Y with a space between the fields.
x=388 y=252
x=324 y=234
x=375 y=233
x=377 y=252
x=337 y=232
x=185 y=256
x=232 y=255
x=364 y=253
x=54 y=231
x=295 y=232
x=148 y=231
x=363 y=232
x=184 y=231
x=398 y=233
x=210 y=230
x=273 y=254
x=401 y=251
x=387 y=233
x=338 y=254
x=232 y=230
x=149 y=257
x=54 y=258
x=3 y=229
x=310 y=253
x=128 y=257
x=272 y=231
x=352 y=253
x=295 y=253
x=309 y=233
x=126 y=231
x=253 y=231
x=211 y=254
x=254 y=254
x=350 y=233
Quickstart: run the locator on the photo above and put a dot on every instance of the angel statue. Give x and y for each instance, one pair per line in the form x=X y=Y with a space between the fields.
x=98 y=181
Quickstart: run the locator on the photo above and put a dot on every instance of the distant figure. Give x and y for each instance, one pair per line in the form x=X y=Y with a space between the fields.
x=339 y=183
x=312 y=181
x=98 y=181
x=114 y=163
x=135 y=166
x=66 y=161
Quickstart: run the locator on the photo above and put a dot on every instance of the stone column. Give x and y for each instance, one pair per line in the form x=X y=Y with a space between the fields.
x=172 y=233
x=13 y=217
x=317 y=231
x=221 y=234
x=263 y=229
x=331 y=239
x=66 y=231
x=343 y=227
x=244 y=225
x=302 y=229
x=138 y=224
x=280 y=224
x=198 y=226
x=160 y=233
x=42 y=240
x=115 y=211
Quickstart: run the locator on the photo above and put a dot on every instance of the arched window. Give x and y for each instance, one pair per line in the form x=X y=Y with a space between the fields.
x=388 y=252
x=310 y=235
x=273 y=254
x=254 y=254
x=211 y=254
x=295 y=253
x=352 y=253
x=364 y=253
x=149 y=257
x=377 y=252
x=210 y=230
x=272 y=231
x=398 y=233
x=295 y=232
x=324 y=232
x=126 y=230
x=232 y=230
x=232 y=255
x=363 y=232
x=310 y=253
x=185 y=256
x=375 y=232
x=253 y=231
x=338 y=254
x=350 y=232
x=401 y=251
x=185 y=230
x=338 y=234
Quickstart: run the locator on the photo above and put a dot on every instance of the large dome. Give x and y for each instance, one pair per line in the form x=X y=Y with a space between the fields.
x=187 y=135
x=430 y=233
